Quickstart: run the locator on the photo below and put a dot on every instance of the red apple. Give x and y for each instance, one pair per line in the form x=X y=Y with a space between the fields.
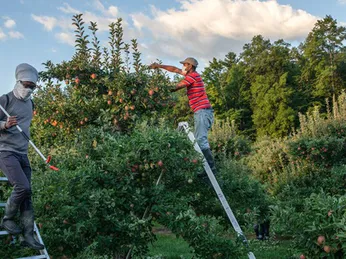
x=321 y=240
x=160 y=163
x=326 y=249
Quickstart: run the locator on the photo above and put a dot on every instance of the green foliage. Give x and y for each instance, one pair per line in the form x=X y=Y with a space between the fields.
x=246 y=196
x=322 y=60
x=322 y=152
x=321 y=215
x=272 y=114
x=225 y=142
x=95 y=92
x=106 y=181
x=203 y=233
x=267 y=158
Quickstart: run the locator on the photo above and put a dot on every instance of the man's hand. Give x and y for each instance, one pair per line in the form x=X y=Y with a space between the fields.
x=11 y=121
x=154 y=65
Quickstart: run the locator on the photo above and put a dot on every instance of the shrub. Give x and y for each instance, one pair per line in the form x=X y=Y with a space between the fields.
x=225 y=141
x=319 y=230
x=326 y=151
x=245 y=195
x=268 y=157
x=98 y=89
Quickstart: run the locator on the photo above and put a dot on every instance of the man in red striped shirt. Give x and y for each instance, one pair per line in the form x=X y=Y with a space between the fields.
x=198 y=101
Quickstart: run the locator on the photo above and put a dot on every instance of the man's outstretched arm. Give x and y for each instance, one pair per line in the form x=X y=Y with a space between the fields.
x=169 y=68
x=182 y=84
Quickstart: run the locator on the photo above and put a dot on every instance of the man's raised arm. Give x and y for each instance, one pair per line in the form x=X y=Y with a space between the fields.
x=169 y=68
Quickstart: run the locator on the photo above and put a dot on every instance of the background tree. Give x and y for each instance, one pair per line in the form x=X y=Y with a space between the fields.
x=323 y=61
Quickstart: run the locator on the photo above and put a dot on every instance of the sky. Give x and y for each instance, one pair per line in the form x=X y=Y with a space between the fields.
x=35 y=31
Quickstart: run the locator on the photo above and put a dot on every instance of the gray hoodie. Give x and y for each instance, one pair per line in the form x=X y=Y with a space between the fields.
x=11 y=139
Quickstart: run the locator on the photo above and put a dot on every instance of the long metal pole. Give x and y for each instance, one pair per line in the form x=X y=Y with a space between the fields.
x=31 y=143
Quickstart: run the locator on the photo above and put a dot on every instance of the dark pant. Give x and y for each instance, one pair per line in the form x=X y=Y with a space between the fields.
x=17 y=169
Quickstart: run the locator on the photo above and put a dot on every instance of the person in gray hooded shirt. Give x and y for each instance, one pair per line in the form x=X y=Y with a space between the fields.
x=14 y=162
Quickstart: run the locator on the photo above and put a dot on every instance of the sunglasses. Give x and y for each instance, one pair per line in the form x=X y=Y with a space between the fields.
x=32 y=86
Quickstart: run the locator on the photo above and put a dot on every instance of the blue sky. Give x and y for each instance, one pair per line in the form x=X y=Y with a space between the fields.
x=34 y=31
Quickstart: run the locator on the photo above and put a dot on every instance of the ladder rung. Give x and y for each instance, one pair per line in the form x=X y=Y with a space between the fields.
x=3 y=179
x=3 y=233
x=35 y=257
x=2 y=204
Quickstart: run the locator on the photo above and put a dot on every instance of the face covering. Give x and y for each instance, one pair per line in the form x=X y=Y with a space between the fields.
x=22 y=93
x=184 y=69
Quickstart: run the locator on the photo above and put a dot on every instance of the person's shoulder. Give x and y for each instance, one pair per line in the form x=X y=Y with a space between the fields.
x=5 y=96
x=195 y=74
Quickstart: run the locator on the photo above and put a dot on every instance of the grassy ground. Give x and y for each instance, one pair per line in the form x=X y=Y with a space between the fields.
x=169 y=247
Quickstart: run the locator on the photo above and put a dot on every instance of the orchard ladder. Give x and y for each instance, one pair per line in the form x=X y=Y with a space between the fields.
x=185 y=126
x=44 y=252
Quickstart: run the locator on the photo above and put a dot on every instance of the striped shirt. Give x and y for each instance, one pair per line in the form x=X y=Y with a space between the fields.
x=196 y=93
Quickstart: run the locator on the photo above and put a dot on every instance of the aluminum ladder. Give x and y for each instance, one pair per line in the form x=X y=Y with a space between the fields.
x=44 y=252
x=184 y=126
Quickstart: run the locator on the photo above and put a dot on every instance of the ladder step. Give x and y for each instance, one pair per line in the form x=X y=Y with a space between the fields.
x=44 y=252
x=3 y=233
x=35 y=257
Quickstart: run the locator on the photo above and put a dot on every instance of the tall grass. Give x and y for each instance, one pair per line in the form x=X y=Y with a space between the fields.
x=315 y=124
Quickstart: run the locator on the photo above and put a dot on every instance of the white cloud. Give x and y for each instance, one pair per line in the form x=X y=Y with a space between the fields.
x=208 y=27
x=47 y=21
x=107 y=16
x=235 y=19
x=68 y=9
x=65 y=37
x=2 y=35
x=16 y=35
x=342 y=1
x=111 y=11
x=9 y=23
